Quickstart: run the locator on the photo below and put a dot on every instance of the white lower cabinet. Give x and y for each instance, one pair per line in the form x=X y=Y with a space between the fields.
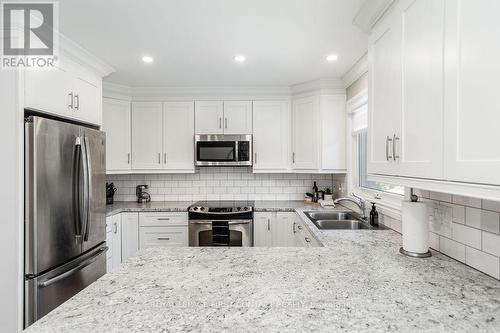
x=163 y=229
x=274 y=229
x=122 y=238
x=302 y=237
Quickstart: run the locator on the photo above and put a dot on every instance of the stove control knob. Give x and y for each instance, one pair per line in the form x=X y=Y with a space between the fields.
x=238 y=209
x=245 y=208
x=195 y=208
x=202 y=208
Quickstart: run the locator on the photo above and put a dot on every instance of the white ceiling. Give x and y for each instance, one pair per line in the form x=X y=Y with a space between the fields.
x=193 y=41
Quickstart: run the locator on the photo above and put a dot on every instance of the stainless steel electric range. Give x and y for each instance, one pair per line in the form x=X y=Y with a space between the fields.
x=221 y=223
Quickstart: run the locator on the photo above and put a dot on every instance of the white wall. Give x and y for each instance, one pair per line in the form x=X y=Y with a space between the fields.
x=11 y=233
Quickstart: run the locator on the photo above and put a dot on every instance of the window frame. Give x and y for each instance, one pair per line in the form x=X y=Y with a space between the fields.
x=390 y=202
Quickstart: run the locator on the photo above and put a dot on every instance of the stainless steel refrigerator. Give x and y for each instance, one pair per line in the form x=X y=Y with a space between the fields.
x=65 y=212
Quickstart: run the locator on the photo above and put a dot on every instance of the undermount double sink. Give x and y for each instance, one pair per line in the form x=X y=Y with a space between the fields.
x=338 y=220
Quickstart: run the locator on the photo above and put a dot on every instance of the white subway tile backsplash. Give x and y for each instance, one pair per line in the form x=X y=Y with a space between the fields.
x=440 y=196
x=466 y=201
x=466 y=235
x=491 y=243
x=483 y=219
x=483 y=261
x=458 y=214
x=222 y=184
x=434 y=241
x=451 y=248
x=491 y=205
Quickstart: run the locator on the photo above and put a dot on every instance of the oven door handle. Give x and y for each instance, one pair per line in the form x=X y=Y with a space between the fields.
x=230 y=222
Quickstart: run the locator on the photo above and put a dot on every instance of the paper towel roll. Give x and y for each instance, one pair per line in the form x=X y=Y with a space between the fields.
x=415 y=227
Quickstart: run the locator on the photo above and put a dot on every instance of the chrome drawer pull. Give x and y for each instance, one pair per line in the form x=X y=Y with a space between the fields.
x=387 y=140
x=163 y=219
x=163 y=238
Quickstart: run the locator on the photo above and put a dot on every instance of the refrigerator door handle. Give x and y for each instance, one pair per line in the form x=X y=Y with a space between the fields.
x=83 y=264
x=89 y=188
x=76 y=188
x=85 y=202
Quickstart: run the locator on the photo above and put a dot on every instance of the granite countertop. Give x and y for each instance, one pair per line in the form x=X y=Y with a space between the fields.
x=358 y=281
x=182 y=206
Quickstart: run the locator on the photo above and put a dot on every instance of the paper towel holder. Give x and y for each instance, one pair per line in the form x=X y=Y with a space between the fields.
x=414 y=198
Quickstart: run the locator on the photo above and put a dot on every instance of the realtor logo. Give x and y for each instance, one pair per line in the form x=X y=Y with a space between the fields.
x=28 y=38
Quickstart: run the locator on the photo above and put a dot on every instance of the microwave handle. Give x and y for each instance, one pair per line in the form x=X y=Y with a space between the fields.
x=236 y=150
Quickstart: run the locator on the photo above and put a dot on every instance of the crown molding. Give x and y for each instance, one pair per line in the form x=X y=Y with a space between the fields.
x=116 y=91
x=356 y=71
x=319 y=87
x=77 y=53
x=370 y=12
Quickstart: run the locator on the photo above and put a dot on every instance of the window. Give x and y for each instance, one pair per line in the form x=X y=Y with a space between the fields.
x=359 y=130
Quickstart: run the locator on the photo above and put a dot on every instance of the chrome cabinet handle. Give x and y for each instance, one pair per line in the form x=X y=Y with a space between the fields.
x=268 y=224
x=299 y=227
x=255 y=159
x=293 y=227
x=128 y=158
x=165 y=158
x=115 y=227
x=77 y=102
x=70 y=104
x=394 y=139
x=387 y=140
x=307 y=239
x=225 y=122
x=163 y=238
x=163 y=219
x=220 y=122
x=159 y=158
x=293 y=157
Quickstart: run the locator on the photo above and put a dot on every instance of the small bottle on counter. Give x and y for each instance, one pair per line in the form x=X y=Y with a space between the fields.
x=374 y=216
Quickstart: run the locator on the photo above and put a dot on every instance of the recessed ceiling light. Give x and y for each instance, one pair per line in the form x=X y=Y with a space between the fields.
x=147 y=59
x=240 y=58
x=331 y=57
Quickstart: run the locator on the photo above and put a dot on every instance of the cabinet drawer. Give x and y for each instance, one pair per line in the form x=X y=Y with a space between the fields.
x=158 y=219
x=163 y=236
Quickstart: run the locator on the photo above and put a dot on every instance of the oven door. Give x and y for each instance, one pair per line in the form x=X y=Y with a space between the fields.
x=233 y=233
x=223 y=150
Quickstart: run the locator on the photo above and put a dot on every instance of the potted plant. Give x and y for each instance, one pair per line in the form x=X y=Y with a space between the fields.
x=328 y=194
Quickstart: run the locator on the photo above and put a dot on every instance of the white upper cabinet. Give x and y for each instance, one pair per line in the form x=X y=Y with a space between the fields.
x=420 y=144
x=406 y=79
x=472 y=106
x=319 y=134
x=237 y=117
x=178 y=136
x=218 y=117
x=305 y=154
x=384 y=117
x=147 y=135
x=68 y=91
x=116 y=124
x=209 y=117
x=271 y=136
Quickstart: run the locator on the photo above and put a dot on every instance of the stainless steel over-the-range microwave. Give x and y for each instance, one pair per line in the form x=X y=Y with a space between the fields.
x=223 y=150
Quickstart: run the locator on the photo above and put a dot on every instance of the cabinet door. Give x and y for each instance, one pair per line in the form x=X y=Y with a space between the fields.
x=178 y=136
x=333 y=132
x=262 y=229
x=237 y=117
x=384 y=113
x=116 y=235
x=163 y=236
x=208 y=117
x=49 y=91
x=147 y=135
x=282 y=229
x=472 y=106
x=87 y=101
x=116 y=124
x=271 y=135
x=305 y=155
x=130 y=234
x=420 y=147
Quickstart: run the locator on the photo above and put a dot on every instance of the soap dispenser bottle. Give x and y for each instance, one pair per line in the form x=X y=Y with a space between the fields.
x=374 y=216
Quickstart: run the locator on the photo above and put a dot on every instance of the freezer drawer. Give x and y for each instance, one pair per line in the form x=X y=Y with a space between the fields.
x=46 y=292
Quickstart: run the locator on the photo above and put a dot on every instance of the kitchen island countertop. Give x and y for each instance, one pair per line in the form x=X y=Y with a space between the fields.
x=358 y=281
